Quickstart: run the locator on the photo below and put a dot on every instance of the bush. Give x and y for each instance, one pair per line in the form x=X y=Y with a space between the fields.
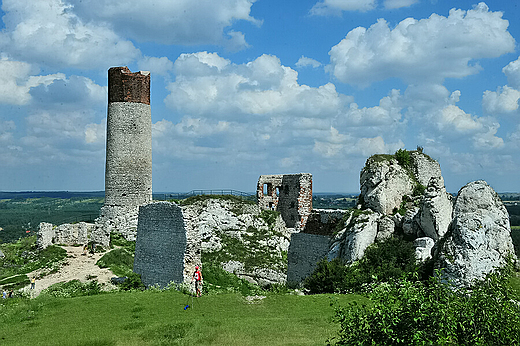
x=403 y=157
x=217 y=280
x=119 y=261
x=117 y=239
x=132 y=282
x=433 y=313
x=391 y=259
x=327 y=277
x=74 y=288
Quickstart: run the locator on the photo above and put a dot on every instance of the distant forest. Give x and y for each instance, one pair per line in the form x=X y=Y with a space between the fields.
x=22 y=212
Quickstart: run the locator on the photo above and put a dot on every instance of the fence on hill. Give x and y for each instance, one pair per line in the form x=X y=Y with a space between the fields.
x=183 y=195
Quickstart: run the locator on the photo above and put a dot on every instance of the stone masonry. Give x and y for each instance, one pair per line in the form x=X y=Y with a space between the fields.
x=68 y=234
x=128 y=173
x=305 y=251
x=290 y=194
x=160 y=248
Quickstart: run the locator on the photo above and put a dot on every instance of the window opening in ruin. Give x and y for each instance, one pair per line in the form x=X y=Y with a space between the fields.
x=264 y=190
x=277 y=191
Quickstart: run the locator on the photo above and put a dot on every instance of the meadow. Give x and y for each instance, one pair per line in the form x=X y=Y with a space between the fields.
x=160 y=318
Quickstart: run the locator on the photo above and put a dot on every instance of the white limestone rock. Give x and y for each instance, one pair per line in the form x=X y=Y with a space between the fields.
x=66 y=234
x=214 y=220
x=436 y=209
x=425 y=168
x=423 y=248
x=384 y=182
x=350 y=244
x=479 y=237
x=410 y=223
x=44 y=235
x=385 y=228
x=117 y=219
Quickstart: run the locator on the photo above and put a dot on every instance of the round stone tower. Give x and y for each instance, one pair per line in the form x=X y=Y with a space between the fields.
x=128 y=171
x=128 y=175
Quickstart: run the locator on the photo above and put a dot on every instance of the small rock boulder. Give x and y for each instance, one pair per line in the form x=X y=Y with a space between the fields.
x=479 y=238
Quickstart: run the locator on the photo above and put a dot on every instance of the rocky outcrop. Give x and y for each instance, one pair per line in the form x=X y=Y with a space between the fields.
x=245 y=240
x=117 y=219
x=384 y=182
x=436 y=209
x=479 y=237
x=359 y=233
x=425 y=168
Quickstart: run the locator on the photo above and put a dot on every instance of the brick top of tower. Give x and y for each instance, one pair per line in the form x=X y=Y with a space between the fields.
x=125 y=86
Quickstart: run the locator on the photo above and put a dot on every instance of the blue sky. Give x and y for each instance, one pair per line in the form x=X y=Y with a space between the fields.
x=242 y=88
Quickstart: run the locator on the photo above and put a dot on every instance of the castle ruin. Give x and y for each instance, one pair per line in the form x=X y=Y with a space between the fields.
x=128 y=173
x=289 y=194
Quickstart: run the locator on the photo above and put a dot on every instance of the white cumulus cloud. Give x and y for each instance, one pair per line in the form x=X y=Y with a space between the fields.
x=426 y=50
x=394 y=4
x=50 y=33
x=304 y=62
x=172 y=21
x=504 y=100
x=335 y=7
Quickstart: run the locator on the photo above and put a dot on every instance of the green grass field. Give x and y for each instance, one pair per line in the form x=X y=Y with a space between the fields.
x=159 y=318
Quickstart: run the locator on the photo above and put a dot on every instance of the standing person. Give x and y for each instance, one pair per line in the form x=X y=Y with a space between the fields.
x=4 y=294
x=197 y=276
x=33 y=282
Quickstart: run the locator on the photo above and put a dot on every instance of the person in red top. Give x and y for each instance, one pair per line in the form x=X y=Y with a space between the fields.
x=197 y=276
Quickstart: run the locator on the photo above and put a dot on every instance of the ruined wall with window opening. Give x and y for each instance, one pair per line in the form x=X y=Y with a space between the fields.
x=289 y=194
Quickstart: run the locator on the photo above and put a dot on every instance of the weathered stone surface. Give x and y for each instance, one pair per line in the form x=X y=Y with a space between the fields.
x=410 y=223
x=385 y=228
x=44 y=235
x=350 y=244
x=323 y=221
x=305 y=251
x=161 y=244
x=479 y=237
x=118 y=219
x=436 y=210
x=425 y=168
x=66 y=234
x=383 y=185
x=289 y=194
x=423 y=248
x=213 y=222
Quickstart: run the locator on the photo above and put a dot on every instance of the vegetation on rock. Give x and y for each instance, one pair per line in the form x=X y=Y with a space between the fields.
x=389 y=260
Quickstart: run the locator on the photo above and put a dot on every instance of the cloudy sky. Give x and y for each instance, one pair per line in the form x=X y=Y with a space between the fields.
x=242 y=88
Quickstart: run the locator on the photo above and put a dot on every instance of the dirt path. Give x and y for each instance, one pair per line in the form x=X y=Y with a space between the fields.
x=78 y=266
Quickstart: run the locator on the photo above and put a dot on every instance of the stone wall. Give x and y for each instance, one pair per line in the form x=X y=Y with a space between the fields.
x=161 y=244
x=323 y=221
x=305 y=251
x=289 y=194
x=67 y=234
